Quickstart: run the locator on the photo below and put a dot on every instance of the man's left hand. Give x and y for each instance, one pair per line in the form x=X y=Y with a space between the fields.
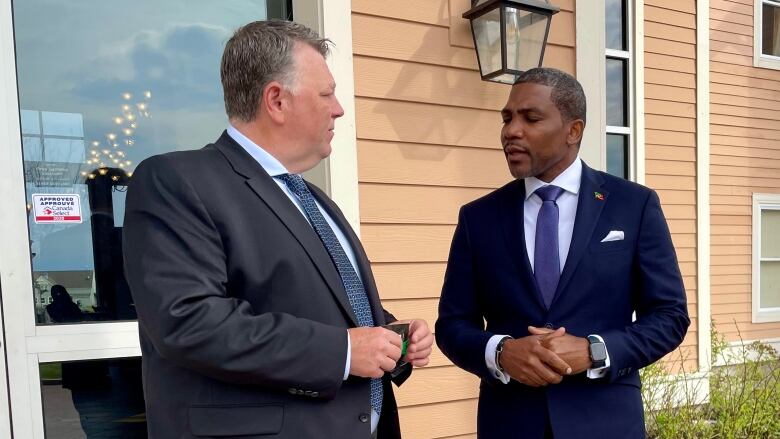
x=575 y=351
x=420 y=343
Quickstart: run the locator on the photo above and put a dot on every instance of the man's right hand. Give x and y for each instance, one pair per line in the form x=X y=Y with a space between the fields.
x=375 y=351
x=527 y=361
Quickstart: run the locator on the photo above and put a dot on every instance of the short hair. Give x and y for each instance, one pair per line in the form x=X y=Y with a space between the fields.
x=258 y=53
x=567 y=93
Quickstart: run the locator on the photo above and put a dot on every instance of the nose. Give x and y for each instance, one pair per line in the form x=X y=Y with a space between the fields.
x=337 y=110
x=513 y=130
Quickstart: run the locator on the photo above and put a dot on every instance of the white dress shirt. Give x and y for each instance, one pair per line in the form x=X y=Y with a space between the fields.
x=569 y=180
x=275 y=168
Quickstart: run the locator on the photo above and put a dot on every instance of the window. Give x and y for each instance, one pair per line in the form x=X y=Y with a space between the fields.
x=766 y=258
x=97 y=96
x=618 y=89
x=766 y=33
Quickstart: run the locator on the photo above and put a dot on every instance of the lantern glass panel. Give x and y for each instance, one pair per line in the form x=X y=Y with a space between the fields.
x=525 y=32
x=487 y=36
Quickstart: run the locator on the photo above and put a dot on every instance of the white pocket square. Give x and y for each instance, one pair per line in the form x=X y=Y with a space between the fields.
x=614 y=235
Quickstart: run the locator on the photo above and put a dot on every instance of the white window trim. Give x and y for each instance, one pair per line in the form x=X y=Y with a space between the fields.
x=339 y=174
x=590 y=45
x=761 y=202
x=759 y=59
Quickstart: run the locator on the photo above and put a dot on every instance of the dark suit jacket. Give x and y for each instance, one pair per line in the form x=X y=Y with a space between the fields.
x=489 y=277
x=242 y=313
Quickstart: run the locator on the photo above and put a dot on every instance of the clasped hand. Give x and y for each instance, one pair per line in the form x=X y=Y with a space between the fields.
x=545 y=356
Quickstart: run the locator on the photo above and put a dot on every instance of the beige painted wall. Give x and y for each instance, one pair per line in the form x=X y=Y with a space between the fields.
x=745 y=158
x=670 y=137
x=428 y=142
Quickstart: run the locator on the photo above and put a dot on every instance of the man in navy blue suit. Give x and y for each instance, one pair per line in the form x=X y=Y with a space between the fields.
x=560 y=285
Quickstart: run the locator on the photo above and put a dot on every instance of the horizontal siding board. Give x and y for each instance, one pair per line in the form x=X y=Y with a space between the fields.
x=440 y=420
x=381 y=203
x=419 y=164
x=400 y=122
x=435 y=12
x=409 y=280
x=438 y=384
x=669 y=32
x=666 y=77
x=406 y=81
x=684 y=154
x=668 y=16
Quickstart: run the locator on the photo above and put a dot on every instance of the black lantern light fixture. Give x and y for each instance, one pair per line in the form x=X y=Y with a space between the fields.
x=510 y=36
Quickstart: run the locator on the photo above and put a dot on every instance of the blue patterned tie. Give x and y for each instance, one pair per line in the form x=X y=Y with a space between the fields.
x=547 y=265
x=352 y=283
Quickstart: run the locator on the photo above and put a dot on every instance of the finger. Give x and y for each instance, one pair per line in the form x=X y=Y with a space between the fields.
x=393 y=352
x=411 y=356
x=548 y=375
x=557 y=333
x=392 y=337
x=421 y=345
x=555 y=362
x=421 y=362
x=387 y=364
x=533 y=330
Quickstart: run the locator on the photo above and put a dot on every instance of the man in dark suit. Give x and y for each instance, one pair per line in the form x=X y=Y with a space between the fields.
x=555 y=263
x=257 y=310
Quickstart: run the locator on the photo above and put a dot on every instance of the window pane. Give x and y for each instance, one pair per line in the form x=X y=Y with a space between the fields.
x=103 y=85
x=770 y=29
x=770 y=233
x=93 y=399
x=617 y=155
x=616 y=25
x=770 y=284
x=616 y=92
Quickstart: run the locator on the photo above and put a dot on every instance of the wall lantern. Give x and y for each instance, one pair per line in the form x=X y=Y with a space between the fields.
x=510 y=36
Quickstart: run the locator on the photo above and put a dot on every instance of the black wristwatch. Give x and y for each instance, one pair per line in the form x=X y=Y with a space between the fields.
x=598 y=352
x=499 y=348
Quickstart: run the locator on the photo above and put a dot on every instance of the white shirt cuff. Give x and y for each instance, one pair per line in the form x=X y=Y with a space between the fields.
x=490 y=359
x=601 y=371
x=349 y=357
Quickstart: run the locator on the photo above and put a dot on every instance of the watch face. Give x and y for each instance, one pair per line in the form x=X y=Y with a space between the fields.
x=598 y=352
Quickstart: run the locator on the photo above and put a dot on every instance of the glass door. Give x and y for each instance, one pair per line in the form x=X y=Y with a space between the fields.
x=89 y=89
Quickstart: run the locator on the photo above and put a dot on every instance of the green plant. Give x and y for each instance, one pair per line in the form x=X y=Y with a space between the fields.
x=743 y=402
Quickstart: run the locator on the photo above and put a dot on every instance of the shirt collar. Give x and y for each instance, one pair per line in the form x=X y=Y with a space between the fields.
x=272 y=166
x=569 y=180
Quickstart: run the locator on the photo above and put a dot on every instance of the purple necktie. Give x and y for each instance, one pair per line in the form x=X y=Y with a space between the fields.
x=547 y=265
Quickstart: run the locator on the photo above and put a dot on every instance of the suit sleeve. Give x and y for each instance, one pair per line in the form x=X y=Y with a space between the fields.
x=659 y=299
x=177 y=270
x=460 y=330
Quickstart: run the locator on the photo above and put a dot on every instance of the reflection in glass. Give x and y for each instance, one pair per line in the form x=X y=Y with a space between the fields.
x=525 y=38
x=770 y=284
x=98 y=95
x=770 y=29
x=770 y=233
x=487 y=28
x=616 y=25
x=616 y=92
x=617 y=155
x=93 y=399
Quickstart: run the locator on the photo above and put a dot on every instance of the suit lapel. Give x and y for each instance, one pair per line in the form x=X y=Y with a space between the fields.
x=270 y=193
x=589 y=209
x=513 y=224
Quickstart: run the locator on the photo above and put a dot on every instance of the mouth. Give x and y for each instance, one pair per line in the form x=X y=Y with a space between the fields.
x=515 y=151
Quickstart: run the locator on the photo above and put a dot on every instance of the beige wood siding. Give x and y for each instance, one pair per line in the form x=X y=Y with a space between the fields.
x=428 y=142
x=744 y=158
x=670 y=138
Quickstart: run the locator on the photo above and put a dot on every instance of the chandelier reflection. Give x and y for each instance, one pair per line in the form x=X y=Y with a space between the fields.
x=110 y=152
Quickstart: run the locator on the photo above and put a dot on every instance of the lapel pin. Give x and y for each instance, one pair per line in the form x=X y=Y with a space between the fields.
x=599 y=196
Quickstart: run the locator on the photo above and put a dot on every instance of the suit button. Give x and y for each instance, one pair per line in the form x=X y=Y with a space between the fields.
x=292 y=391
x=300 y=392
x=314 y=394
x=548 y=325
x=363 y=417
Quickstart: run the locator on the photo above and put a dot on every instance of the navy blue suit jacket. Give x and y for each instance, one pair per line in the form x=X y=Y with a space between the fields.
x=489 y=289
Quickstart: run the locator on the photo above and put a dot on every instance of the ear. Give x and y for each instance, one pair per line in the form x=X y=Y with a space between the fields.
x=273 y=101
x=576 y=128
